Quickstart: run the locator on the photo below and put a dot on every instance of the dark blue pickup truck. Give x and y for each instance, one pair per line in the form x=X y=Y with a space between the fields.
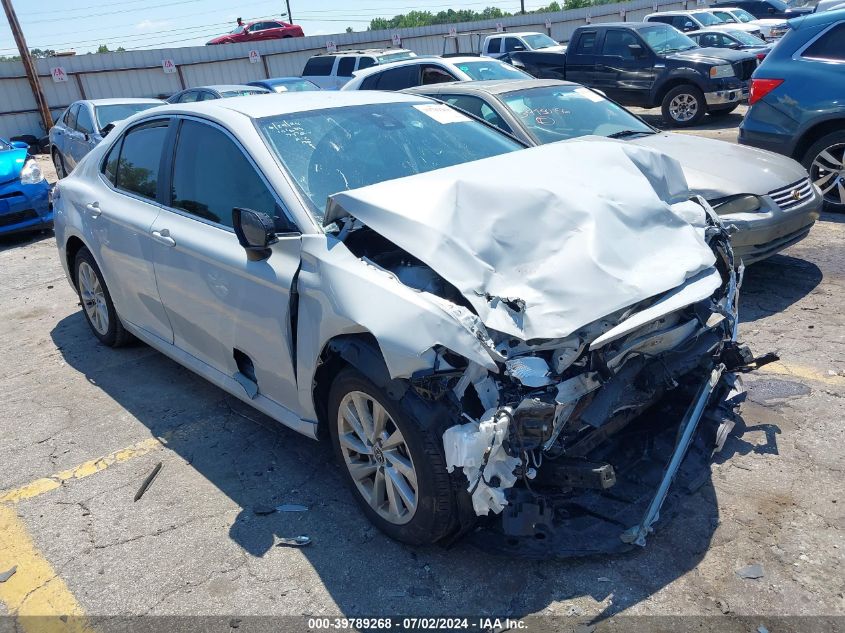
x=649 y=65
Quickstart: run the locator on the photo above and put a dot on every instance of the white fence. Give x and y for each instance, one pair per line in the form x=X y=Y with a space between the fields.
x=141 y=73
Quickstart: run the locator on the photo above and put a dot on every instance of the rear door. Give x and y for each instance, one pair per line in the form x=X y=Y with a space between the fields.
x=71 y=137
x=620 y=73
x=121 y=214
x=84 y=140
x=227 y=311
x=581 y=60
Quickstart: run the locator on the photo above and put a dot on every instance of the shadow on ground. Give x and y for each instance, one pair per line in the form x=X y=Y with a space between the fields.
x=17 y=240
x=774 y=284
x=254 y=461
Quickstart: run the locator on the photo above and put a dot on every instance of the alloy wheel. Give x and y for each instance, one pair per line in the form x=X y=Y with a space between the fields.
x=828 y=173
x=377 y=457
x=93 y=298
x=683 y=107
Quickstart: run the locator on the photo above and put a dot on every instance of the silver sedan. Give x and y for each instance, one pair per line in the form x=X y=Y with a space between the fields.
x=768 y=198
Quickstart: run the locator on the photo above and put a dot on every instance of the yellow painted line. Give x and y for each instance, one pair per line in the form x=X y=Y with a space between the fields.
x=91 y=467
x=40 y=599
x=804 y=372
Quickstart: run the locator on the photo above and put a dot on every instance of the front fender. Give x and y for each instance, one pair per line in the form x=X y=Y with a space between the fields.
x=340 y=294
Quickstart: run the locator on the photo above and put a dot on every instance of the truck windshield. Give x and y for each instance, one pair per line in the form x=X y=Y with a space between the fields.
x=664 y=39
x=333 y=150
x=557 y=113
x=538 y=41
x=708 y=19
x=743 y=16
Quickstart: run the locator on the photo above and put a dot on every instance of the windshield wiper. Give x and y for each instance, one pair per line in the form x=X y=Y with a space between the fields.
x=627 y=133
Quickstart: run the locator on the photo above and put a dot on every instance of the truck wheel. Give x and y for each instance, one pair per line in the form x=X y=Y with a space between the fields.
x=722 y=111
x=684 y=106
x=393 y=462
x=825 y=160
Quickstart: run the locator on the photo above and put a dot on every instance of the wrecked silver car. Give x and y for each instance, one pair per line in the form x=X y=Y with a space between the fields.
x=479 y=348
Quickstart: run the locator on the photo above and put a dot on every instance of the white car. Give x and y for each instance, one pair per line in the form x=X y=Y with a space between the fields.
x=424 y=71
x=737 y=16
x=503 y=43
x=446 y=306
x=330 y=71
x=686 y=21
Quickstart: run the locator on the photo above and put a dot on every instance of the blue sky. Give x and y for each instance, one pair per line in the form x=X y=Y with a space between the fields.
x=82 y=25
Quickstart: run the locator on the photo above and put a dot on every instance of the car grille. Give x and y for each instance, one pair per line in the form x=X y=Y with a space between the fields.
x=744 y=69
x=792 y=195
x=16 y=217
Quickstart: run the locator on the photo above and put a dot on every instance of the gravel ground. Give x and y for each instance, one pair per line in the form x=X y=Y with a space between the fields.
x=193 y=544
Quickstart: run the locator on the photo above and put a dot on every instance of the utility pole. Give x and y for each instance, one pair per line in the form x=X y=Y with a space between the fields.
x=522 y=3
x=290 y=17
x=29 y=65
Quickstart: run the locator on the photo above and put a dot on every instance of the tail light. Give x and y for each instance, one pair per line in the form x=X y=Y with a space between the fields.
x=761 y=56
x=761 y=87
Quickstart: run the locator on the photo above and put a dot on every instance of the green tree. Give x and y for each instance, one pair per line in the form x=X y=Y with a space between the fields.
x=348 y=29
x=103 y=49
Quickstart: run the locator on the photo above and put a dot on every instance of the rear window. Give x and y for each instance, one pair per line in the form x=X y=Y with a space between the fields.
x=491 y=69
x=245 y=92
x=110 y=113
x=830 y=46
x=319 y=66
x=137 y=169
x=386 y=58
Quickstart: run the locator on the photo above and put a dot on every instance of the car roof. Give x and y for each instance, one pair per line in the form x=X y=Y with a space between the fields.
x=274 y=104
x=813 y=19
x=492 y=86
x=423 y=59
x=365 y=51
x=120 y=101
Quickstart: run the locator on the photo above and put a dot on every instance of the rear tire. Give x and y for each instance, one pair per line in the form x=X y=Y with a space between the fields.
x=825 y=160
x=97 y=305
x=403 y=446
x=683 y=106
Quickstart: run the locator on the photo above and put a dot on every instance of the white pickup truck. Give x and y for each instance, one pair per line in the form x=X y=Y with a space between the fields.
x=501 y=44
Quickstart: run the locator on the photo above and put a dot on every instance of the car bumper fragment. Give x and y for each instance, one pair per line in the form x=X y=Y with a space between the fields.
x=24 y=207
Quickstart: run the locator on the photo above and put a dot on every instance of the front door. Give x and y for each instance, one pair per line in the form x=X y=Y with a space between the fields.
x=227 y=311
x=83 y=140
x=625 y=74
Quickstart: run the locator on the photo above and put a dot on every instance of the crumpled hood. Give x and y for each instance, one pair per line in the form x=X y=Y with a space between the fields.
x=544 y=241
x=715 y=169
x=11 y=163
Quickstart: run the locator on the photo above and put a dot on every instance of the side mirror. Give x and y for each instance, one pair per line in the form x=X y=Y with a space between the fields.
x=256 y=232
x=19 y=145
x=636 y=50
x=519 y=47
x=105 y=131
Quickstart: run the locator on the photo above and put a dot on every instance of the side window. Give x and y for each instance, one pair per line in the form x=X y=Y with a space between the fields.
x=212 y=176
x=513 y=44
x=494 y=45
x=830 y=46
x=366 y=62
x=345 y=66
x=586 y=43
x=477 y=107
x=319 y=66
x=616 y=44
x=84 y=122
x=398 y=78
x=70 y=118
x=140 y=156
x=205 y=96
x=189 y=97
x=662 y=19
x=432 y=74
x=110 y=164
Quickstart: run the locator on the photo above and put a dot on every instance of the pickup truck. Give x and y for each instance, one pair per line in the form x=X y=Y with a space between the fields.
x=648 y=65
x=503 y=43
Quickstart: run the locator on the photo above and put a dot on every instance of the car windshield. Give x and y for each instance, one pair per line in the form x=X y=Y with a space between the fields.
x=556 y=113
x=394 y=57
x=328 y=151
x=294 y=85
x=242 y=92
x=538 y=41
x=662 y=38
x=743 y=16
x=708 y=19
x=746 y=38
x=490 y=69
x=4 y=145
x=107 y=114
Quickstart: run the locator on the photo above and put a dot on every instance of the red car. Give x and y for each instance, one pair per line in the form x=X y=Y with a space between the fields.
x=263 y=30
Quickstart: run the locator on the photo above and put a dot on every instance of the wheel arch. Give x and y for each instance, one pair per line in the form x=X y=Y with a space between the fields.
x=814 y=133
x=673 y=82
x=73 y=245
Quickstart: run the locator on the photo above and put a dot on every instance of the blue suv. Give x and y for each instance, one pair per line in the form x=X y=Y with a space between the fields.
x=798 y=102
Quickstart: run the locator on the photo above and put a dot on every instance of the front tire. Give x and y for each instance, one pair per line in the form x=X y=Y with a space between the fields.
x=97 y=305
x=393 y=462
x=683 y=106
x=825 y=160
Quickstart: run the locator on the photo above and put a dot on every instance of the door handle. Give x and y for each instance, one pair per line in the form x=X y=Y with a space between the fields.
x=94 y=208
x=163 y=237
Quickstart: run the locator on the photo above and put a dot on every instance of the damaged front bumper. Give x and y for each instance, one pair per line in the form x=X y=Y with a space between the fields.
x=579 y=444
